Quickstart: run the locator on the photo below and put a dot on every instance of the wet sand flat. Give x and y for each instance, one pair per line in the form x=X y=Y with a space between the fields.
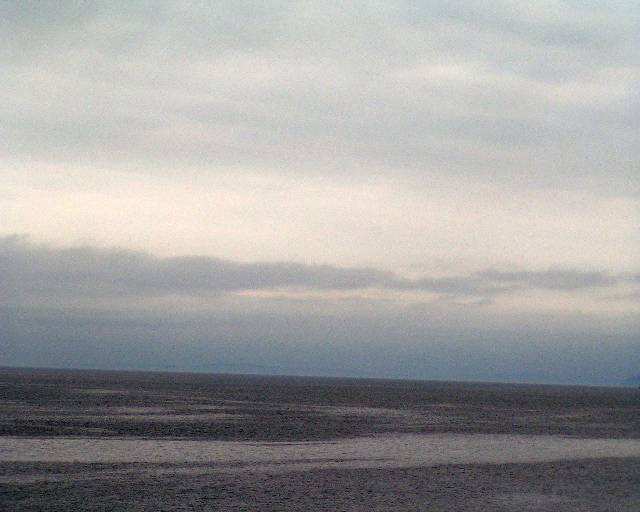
x=81 y=440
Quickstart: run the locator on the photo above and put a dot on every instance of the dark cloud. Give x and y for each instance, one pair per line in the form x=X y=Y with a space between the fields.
x=30 y=270
x=551 y=279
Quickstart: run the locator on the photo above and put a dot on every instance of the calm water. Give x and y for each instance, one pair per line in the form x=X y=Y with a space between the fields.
x=81 y=440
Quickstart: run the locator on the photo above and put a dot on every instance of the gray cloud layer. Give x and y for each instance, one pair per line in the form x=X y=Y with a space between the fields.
x=389 y=346
x=544 y=94
x=30 y=269
x=49 y=317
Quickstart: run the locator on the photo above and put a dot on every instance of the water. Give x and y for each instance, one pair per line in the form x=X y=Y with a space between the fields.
x=403 y=450
x=80 y=440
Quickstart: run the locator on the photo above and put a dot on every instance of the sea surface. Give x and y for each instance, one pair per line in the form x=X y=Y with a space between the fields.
x=139 y=441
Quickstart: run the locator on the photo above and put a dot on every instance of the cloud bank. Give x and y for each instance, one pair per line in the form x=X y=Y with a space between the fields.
x=27 y=268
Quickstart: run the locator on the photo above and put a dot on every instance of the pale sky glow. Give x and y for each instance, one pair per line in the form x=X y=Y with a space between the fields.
x=431 y=226
x=396 y=178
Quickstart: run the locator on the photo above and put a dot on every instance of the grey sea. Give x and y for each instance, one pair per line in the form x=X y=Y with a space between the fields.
x=139 y=441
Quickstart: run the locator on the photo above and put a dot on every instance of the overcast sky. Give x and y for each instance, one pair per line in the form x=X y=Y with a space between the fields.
x=445 y=190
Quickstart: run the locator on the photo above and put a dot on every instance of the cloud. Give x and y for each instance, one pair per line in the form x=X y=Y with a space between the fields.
x=507 y=93
x=122 y=272
x=312 y=344
x=28 y=269
x=552 y=279
x=94 y=307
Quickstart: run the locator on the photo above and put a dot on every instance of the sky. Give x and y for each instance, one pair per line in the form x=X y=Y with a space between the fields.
x=401 y=189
